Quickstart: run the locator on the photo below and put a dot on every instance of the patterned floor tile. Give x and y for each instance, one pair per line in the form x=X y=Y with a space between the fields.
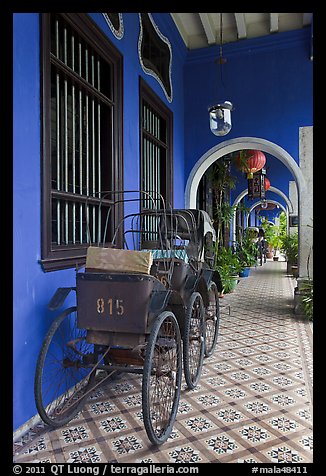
x=114 y=424
x=87 y=454
x=126 y=445
x=185 y=454
x=306 y=442
x=283 y=424
x=283 y=454
x=256 y=407
x=252 y=404
x=101 y=408
x=75 y=434
x=199 y=424
x=221 y=444
x=254 y=434
x=229 y=415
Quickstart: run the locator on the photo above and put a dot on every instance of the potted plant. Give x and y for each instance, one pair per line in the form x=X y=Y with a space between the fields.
x=275 y=242
x=269 y=252
x=246 y=250
x=303 y=298
x=229 y=281
x=307 y=299
x=274 y=235
x=228 y=266
x=290 y=248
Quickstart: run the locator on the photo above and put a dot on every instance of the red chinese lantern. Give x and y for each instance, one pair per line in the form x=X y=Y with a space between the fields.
x=267 y=183
x=251 y=161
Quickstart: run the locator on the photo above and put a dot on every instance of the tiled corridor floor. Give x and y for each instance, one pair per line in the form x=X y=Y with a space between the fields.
x=253 y=402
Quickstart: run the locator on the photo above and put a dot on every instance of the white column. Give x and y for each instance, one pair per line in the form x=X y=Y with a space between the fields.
x=306 y=203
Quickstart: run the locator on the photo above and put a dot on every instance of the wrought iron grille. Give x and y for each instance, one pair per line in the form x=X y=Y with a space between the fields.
x=153 y=156
x=81 y=117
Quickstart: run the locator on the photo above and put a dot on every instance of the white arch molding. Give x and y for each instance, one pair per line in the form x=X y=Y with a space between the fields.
x=233 y=145
x=255 y=143
x=289 y=205
x=275 y=202
x=279 y=192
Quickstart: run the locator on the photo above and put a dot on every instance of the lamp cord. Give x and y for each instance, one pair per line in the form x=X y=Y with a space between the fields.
x=221 y=59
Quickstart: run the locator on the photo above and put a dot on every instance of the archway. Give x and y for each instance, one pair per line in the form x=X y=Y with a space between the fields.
x=276 y=190
x=233 y=145
x=274 y=202
x=264 y=145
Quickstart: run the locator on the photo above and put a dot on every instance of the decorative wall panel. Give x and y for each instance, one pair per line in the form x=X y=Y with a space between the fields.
x=115 y=22
x=155 y=53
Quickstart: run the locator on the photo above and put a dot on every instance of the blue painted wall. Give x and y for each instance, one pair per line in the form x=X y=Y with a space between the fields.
x=128 y=46
x=32 y=287
x=271 y=90
x=269 y=82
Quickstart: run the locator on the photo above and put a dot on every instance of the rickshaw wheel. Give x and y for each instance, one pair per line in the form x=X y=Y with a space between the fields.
x=212 y=320
x=193 y=340
x=162 y=374
x=64 y=374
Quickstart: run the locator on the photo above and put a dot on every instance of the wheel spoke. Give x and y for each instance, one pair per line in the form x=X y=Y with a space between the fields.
x=212 y=320
x=193 y=345
x=161 y=379
x=62 y=379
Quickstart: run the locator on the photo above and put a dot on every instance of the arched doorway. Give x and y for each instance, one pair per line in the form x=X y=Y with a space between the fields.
x=278 y=152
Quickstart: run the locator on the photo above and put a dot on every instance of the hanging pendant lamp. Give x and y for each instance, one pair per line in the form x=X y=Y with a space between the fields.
x=220 y=114
x=220 y=118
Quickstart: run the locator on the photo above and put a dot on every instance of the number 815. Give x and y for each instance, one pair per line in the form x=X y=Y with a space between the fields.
x=111 y=306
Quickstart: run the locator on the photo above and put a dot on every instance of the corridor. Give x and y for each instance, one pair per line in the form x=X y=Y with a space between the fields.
x=253 y=402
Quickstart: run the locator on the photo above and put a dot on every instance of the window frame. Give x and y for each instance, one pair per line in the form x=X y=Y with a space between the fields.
x=62 y=257
x=147 y=94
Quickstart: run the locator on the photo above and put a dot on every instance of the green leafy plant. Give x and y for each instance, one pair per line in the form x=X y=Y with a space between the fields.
x=247 y=251
x=307 y=299
x=228 y=280
x=290 y=247
x=283 y=224
x=228 y=266
x=222 y=182
x=274 y=234
x=275 y=240
x=225 y=257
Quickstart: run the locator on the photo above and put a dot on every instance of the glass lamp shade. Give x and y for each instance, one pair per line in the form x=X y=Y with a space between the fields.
x=220 y=118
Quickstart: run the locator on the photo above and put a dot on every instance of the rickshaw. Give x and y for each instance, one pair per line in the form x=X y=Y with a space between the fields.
x=141 y=304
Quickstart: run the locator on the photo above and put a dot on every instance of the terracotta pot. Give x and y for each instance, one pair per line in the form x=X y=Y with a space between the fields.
x=295 y=271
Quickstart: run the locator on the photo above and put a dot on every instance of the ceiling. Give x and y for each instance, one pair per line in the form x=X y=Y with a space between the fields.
x=200 y=30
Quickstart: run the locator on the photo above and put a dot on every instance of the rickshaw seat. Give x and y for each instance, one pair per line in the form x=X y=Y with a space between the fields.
x=118 y=260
